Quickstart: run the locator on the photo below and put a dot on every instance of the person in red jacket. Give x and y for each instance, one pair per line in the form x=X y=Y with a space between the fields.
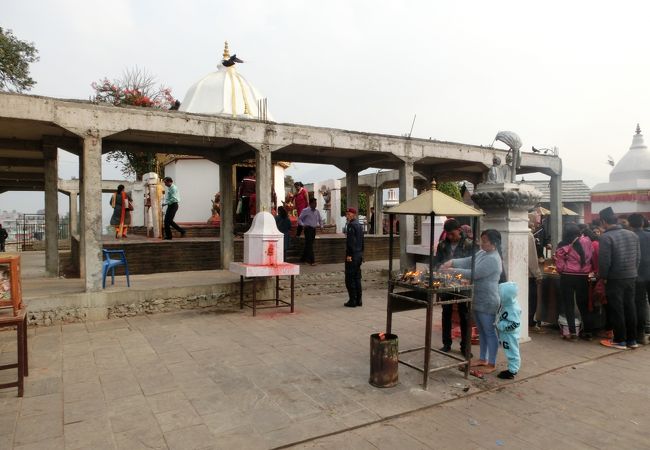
x=300 y=201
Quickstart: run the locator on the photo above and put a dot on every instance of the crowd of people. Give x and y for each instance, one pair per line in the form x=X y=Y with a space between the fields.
x=605 y=271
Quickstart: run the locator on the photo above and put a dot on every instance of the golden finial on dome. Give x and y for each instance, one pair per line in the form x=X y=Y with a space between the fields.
x=226 y=52
x=638 y=129
x=434 y=185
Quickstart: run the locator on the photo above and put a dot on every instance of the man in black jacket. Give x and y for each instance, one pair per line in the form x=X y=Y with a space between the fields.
x=353 y=258
x=3 y=238
x=642 y=287
x=618 y=263
x=454 y=245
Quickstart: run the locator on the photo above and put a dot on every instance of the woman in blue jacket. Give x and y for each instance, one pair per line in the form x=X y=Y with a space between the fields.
x=488 y=272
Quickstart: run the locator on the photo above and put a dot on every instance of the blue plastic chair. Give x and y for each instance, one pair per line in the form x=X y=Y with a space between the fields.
x=111 y=264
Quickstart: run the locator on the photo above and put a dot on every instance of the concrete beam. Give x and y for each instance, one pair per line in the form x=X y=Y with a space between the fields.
x=21 y=144
x=68 y=143
x=20 y=162
x=74 y=185
x=28 y=184
x=78 y=117
x=23 y=169
x=22 y=176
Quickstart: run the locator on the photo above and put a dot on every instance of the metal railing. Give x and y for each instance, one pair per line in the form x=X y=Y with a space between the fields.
x=28 y=233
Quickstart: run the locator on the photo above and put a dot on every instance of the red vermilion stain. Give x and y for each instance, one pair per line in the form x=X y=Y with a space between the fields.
x=270 y=252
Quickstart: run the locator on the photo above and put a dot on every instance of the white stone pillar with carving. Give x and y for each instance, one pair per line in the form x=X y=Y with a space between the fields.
x=506 y=208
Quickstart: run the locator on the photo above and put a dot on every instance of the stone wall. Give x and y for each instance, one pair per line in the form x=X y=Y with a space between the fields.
x=215 y=297
x=203 y=254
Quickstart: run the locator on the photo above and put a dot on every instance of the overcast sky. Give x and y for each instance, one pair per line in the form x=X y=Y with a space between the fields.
x=571 y=74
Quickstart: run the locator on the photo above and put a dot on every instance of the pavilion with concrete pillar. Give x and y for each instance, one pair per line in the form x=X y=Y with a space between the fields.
x=33 y=127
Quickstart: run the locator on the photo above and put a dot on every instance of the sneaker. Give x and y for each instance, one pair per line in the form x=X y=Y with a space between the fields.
x=632 y=344
x=183 y=233
x=445 y=348
x=506 y=375
x=612 y=344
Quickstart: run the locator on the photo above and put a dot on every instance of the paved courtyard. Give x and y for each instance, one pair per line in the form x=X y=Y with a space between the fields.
x=223 y=379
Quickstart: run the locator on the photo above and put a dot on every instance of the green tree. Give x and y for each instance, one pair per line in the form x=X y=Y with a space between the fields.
x=288 y=183
x=136 y=87
x=363 y=204
x=451 y=189
x=15 y=58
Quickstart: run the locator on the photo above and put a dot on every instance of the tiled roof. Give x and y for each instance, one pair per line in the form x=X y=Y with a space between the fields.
x=575 y=191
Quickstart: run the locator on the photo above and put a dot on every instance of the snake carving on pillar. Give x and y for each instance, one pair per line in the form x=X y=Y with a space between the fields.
x=512 y=140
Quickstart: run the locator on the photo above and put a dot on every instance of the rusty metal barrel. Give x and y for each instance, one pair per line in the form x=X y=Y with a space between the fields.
x=383 y=360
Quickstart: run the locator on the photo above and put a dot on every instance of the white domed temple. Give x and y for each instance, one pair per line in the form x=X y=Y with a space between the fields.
x=224 y=92
x=628 y=188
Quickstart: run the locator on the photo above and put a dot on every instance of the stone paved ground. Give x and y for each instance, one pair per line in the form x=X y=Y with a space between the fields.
x=598 y=404
x=215 y=379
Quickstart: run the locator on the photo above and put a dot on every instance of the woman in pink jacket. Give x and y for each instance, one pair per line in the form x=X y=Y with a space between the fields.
x=573 y=261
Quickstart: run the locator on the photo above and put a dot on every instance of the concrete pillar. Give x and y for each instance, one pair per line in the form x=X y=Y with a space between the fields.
x=82 y=244
x=556 y=209
x=512 y=222
x=74 y=213
x=91 y=212
x=379 y=214
x=227 y=239
x=406 y=231
x=352 y=188
x=264 y=179
x=51 y=211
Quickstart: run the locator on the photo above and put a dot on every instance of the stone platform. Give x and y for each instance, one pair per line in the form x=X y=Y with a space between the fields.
x=56 y=300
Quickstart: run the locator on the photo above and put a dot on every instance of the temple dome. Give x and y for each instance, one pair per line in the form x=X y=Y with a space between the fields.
x=635 y=164
x=224 y=92
x=632 y=172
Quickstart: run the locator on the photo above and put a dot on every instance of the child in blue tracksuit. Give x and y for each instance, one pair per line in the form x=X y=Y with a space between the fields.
x=508 y=327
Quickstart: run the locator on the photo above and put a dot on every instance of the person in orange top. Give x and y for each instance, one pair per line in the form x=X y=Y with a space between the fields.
x=122 y=206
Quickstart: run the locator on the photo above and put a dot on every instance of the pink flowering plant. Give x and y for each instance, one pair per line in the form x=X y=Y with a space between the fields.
x=135 y=88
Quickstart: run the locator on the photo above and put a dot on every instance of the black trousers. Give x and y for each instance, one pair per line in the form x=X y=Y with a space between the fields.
x=447 y=311
x=621 y=308
x=2 y=246
x=532 y=301
x=353 y=279
x=169 y=220
x=575 y=290
x=641 y=295
x=308 y=251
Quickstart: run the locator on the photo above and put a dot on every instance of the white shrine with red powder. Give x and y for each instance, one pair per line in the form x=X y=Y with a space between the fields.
x=264 y=250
